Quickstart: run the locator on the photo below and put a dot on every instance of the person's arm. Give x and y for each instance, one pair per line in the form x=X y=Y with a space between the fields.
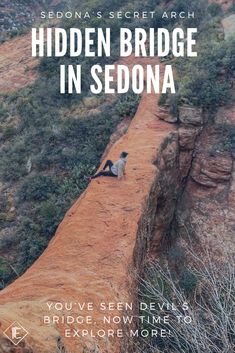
x=121 y=170
x=124 y=169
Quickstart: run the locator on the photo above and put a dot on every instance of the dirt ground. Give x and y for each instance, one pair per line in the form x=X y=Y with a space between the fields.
x=16 y=64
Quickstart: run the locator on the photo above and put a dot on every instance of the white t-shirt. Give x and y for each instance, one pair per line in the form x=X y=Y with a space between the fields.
x=118 y=167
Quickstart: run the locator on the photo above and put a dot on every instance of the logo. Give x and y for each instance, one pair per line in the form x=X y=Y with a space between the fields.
x=15 y=333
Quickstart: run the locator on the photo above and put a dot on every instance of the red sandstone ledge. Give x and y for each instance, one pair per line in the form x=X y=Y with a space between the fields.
x=90 y=259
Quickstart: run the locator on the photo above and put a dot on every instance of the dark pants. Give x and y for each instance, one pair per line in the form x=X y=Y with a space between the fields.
x=109 y=172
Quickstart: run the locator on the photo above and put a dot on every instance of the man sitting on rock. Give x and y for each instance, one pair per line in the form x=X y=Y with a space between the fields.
x=116 y=169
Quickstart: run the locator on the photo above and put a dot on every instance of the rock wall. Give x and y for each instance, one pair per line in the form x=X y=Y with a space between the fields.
x=206 y=208
x=205 y=216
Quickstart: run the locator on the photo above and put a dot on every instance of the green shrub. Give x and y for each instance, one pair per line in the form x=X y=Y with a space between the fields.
x=9 y=132
x=6 y=217
x=6 y=271
x=48 y=215
x=29 y=249
x=3 y=113
x=8 y=242
x=197 y=6
x=172 y=101
x=162 y=99
x=73 y=185
x=3 y=203
x=228 y=132
x=37 y=188
x=214 y=9
x=206 y=80
x=13 y=161
x=232 y=7
x=127 y=104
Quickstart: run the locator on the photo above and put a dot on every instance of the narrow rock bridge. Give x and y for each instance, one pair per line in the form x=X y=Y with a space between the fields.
x=95 y=253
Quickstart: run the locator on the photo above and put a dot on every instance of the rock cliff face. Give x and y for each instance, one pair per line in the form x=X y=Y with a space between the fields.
x=206 y=209
x=101 y=242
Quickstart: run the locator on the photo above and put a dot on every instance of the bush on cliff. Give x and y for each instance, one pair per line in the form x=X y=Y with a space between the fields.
x=214 y=9
x=4 y=271
x=210 y=307
x=127 y=104
x=206 y=81
x=37 y=188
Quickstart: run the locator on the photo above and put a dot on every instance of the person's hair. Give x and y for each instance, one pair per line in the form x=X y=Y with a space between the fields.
x=123 y=154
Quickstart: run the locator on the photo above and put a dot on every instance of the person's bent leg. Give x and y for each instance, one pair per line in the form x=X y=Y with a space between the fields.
x=97 y=175
x=109 y=164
